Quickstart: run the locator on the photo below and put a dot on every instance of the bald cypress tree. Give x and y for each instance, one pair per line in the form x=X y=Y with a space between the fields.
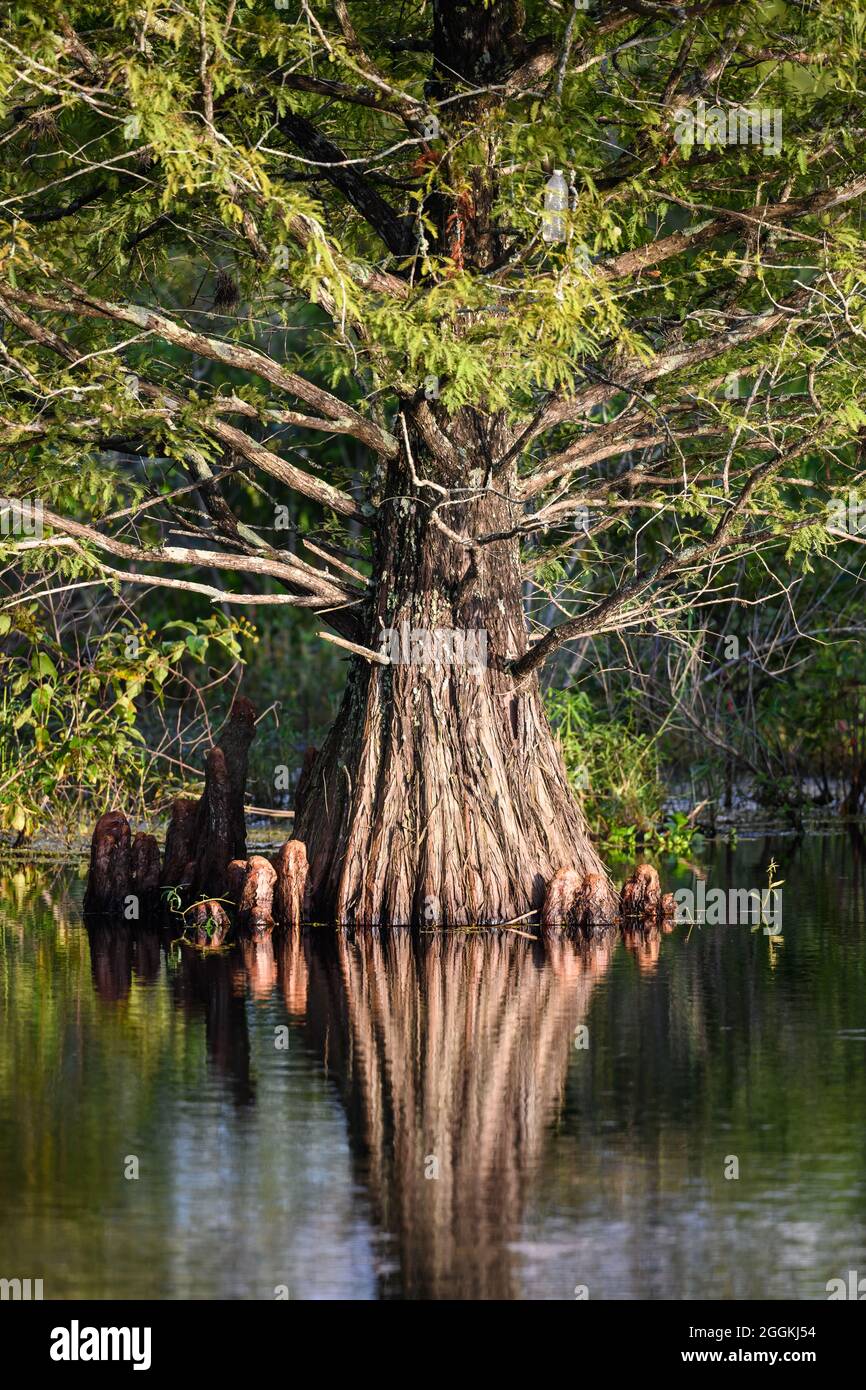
x=542 y=308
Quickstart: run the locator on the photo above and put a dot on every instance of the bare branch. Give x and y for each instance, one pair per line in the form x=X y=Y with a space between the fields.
x=230 y=354
x=611 y=608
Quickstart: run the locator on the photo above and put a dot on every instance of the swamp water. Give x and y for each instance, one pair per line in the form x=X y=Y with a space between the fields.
x=458 y=1116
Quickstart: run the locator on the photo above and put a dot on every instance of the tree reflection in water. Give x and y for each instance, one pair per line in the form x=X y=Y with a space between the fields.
x=450 y=1053
x=553 y=1165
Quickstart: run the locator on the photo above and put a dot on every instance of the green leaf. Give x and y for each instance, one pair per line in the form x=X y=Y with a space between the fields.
x=42 y=665
x=197 y=646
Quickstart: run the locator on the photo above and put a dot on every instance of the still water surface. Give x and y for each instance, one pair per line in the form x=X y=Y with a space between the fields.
x=310 y=1167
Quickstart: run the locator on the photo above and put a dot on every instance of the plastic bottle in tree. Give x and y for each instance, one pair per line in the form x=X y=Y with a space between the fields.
x=555 y=205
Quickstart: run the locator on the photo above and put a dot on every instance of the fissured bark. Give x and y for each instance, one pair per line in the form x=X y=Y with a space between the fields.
x=440 y=795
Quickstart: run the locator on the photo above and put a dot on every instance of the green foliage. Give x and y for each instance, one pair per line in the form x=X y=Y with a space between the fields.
x=296 y=679
x=613 y=769
x=452 y=322
x=816 y=727
x=145 y=160
x=71 y=735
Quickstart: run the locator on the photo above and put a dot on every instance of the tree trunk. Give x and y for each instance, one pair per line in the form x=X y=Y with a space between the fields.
x=440 y=795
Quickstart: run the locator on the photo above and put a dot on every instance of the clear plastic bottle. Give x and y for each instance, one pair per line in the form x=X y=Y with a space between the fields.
x=555 y=206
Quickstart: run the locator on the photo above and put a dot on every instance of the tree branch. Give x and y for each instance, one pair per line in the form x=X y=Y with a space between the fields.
x=603 y=613
x=397 y=232
x=230 y=354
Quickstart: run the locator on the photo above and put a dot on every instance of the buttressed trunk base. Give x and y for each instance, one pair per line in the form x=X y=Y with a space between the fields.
x=439 y=798
x=440 y=795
